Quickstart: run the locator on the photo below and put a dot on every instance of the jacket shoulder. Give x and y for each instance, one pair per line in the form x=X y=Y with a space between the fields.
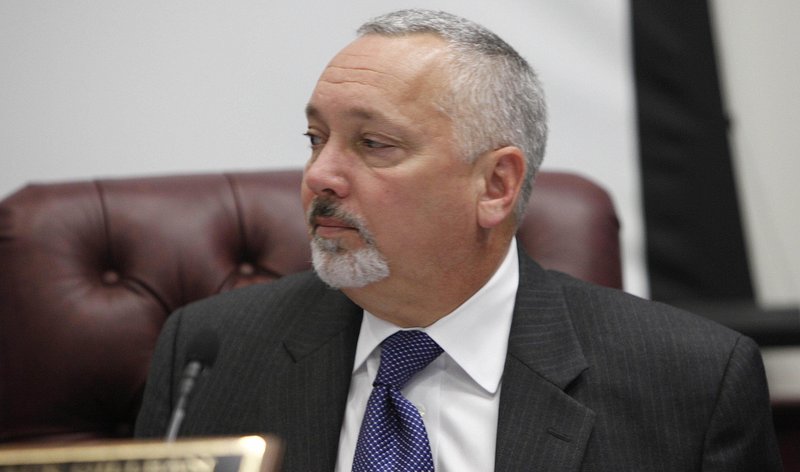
x=274 y=306
x=612 y=311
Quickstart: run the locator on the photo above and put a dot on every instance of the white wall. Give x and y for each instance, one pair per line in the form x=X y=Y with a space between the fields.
x=761 y=71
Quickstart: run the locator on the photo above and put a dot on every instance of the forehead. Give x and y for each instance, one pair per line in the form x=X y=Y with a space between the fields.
x=397 y=56
x=398 y=69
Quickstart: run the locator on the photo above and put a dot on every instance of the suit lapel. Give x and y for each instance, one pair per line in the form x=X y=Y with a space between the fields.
x=540 y=426
x=322 y=349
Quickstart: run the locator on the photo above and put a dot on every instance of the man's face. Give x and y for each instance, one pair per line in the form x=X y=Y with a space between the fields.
x=385 y=180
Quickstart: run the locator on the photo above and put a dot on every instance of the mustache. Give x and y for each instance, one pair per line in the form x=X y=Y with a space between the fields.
x=327 y=208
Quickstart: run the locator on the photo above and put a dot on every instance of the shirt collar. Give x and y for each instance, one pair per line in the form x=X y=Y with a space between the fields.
x=474 y=335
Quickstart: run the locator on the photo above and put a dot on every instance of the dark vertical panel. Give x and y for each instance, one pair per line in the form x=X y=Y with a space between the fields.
x=695 y=244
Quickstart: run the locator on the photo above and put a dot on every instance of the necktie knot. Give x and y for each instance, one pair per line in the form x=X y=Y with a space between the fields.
x=403 y=354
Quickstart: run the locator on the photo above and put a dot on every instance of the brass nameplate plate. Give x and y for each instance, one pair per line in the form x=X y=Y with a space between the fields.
x=240 y=454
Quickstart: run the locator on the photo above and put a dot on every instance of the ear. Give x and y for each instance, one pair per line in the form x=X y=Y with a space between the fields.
x=503 y=172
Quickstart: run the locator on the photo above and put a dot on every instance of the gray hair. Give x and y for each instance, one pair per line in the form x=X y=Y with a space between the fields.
x=495 y=98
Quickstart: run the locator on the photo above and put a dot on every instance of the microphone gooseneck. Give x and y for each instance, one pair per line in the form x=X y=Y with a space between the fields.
x=200 y=354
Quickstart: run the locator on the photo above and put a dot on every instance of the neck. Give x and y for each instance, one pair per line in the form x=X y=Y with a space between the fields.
x=422 y=297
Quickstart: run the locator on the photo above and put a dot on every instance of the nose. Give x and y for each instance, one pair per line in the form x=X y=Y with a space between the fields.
x=327 y=172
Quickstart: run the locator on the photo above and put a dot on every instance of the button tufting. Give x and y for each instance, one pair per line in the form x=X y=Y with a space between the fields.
x=245 y=268
x=110 y=277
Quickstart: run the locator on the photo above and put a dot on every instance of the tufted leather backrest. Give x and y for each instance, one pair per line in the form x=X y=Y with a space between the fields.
x=89 y=271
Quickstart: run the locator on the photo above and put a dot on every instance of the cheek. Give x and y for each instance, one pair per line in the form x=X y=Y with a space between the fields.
x=408 y=215
x=390 y=214
x=443 y=197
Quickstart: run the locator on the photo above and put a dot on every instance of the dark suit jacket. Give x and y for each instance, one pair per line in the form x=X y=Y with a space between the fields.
x=595 y=379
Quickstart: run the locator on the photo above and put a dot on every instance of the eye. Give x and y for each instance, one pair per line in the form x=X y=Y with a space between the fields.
x=372 y=144
x=313 y=139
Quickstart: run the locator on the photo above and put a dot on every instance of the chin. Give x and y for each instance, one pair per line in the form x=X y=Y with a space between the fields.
x=340 y=267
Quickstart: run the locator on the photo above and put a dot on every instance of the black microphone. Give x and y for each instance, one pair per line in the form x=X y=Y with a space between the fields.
x=200 y=354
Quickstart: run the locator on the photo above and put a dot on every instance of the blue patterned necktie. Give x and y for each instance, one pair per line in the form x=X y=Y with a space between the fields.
x=393 y=436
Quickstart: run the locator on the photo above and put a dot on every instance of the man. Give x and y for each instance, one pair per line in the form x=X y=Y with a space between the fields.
x=426 y=133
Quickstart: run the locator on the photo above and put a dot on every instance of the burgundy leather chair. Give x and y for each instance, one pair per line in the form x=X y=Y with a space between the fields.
x=90 y=270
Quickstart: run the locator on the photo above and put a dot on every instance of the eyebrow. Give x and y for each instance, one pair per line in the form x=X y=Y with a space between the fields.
x=311 y=111
x=358 y=112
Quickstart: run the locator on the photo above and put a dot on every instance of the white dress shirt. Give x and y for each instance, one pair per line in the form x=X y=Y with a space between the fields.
x=458 y=394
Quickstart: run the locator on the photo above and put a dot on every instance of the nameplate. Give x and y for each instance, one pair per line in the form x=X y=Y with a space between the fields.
x=239 y=454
